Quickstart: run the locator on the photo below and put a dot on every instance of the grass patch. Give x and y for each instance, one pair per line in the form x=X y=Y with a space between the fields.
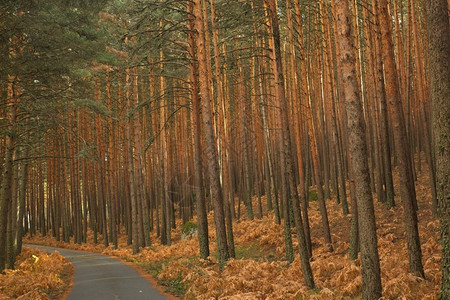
x=249 y=251
x=252 y=251
x=153 y=267
x=312 y=196
x=255 y=252
x=176 y=287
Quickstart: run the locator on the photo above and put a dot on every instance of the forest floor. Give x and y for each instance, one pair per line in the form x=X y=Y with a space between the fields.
x=260 y=270
x=38 y=276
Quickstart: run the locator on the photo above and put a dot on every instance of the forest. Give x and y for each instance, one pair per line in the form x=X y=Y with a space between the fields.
x=241 y=149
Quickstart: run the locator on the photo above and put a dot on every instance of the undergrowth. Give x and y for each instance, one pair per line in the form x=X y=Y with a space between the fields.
x=38 y=275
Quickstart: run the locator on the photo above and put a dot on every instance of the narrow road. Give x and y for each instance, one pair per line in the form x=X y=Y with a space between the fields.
x=101 y=277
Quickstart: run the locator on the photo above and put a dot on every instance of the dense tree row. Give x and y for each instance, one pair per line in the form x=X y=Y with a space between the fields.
x=129 y=115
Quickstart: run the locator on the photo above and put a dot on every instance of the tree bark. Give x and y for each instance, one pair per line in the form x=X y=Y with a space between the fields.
x=439 y=53
x=407 y=189
x=210 y=143
x=202 y=220
x=286 y=154
x=7 y=176
x=370 y=263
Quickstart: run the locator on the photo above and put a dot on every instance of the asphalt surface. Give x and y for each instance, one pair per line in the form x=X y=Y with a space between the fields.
x=101 y=277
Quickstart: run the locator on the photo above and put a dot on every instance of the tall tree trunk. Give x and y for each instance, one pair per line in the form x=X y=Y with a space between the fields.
x=242 y=103
x=12 y=220
x=386 y=148
x=202 y=219
x=144 y=226
x=311 y=131
x=131 y=170
x=210 y=143
x=222 y=130
x=298 y=131
x=422 y=99
x=370 y=264
x=407 y=189
x=439 y=49
x=100 y=171
x=288 y=178
x=23 y=180
x=7 y=176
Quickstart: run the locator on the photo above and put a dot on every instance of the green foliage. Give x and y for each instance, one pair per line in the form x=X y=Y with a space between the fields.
x=177 y=287
x=254 y=251
x=94 y=106
x=312 y=196
x=189 y=229
x=47 y=52
x=153 y=267
x=86 y=153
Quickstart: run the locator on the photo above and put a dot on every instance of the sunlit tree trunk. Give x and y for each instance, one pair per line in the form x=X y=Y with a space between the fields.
x=210 y=143
x=196 y=126
x=222 y=131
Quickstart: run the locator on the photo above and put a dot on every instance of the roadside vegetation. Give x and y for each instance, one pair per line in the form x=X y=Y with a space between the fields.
x=38 y=275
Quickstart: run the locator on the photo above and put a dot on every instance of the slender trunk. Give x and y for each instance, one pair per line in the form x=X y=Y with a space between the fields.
x=407 y=189
x=131 y=171
x=287 y=174
x=196 y=125
x=210 y=143
x=7 y=176
x=23 y=180
x=12 y=222
x=222 y=129
x=423 y=109
x=100 y=171
x=384 y=116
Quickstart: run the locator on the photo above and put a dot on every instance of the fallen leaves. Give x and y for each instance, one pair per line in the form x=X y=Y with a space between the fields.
x=37 y=275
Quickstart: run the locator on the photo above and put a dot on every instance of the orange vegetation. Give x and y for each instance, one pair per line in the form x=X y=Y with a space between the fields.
x=260 y=272
x=38 y=275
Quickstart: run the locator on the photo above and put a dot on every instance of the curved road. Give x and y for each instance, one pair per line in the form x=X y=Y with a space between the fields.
x=101 y=277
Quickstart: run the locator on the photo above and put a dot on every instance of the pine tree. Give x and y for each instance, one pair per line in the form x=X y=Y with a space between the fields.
x=370 y=264
x=439 y=45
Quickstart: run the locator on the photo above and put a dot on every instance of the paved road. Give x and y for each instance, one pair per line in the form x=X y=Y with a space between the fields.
x=100 y=277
